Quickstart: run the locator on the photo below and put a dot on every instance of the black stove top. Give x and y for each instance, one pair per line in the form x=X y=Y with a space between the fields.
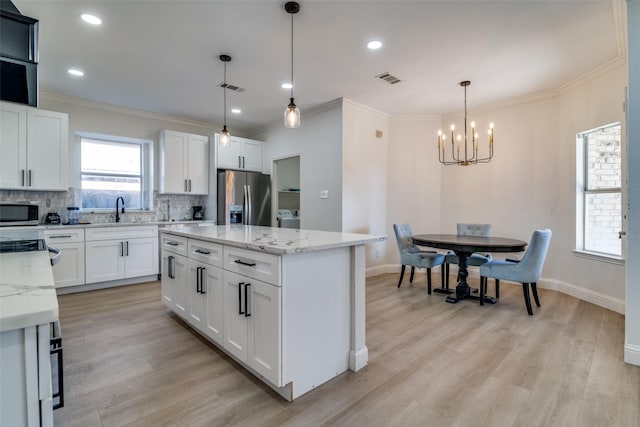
x=26 y=245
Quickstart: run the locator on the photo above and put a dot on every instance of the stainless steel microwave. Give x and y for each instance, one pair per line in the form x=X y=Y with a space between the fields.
x=13 y=214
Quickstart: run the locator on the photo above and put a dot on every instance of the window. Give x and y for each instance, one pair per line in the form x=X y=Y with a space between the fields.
x=600 y=190
x=115 y=166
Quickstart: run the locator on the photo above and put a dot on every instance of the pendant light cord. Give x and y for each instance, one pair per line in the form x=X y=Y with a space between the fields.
x=225 y=94
x=291 y=56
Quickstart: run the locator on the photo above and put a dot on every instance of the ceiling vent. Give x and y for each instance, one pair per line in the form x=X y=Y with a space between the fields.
x=231 y=87
x=388 y=78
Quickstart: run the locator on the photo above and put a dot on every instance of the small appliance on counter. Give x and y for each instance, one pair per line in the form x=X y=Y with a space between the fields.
x=198 y=213
x=52 y=218
x=73 y=215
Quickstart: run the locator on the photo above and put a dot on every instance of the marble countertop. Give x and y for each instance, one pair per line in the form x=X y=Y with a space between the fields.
x=278 y=241
x=27 y=290
x=105 y=224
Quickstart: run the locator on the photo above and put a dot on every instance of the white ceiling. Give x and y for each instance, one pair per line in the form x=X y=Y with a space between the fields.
x=162 y=56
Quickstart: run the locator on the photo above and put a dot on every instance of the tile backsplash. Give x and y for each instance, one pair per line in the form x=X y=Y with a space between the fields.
x=165 y=207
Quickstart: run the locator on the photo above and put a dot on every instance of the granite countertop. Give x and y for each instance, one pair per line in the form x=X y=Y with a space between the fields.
x=105 y=224
x=27 y=290
x=278 y=241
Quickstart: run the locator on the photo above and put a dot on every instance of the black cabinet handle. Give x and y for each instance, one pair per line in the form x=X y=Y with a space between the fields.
x=239 y=163
x=170 y=260
x=66 y=236
x=29 y=177
x=199 y=251
x=126 y=244
x=202 y=283
x=198 y=279
x=22 y=178
x=243 y=162
x=240 y=298
x=121 y=248
x=248 y=264
x=171 y=243
x=246 y=300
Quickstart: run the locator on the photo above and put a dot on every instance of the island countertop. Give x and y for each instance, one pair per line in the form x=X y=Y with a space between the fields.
x=278 y=241
x=27 y=290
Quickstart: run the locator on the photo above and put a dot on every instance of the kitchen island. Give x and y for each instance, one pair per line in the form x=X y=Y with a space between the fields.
x=28 y=305
x=289 y=305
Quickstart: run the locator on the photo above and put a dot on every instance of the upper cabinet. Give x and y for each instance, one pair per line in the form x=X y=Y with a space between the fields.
x=33 y=148
x=240 y=154
x=184 y=163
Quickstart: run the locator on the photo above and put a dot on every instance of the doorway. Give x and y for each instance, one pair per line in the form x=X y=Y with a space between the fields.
x=287 y=191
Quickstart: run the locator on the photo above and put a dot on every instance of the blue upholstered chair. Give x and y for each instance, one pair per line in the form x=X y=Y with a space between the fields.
x=413 y=256
x=474 y=260
x=526 y=271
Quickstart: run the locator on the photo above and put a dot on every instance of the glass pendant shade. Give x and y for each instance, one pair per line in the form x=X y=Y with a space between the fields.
x=292 y=116
x=225 y=136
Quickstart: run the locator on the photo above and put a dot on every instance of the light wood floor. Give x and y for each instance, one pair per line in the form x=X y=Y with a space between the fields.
x=129 y=361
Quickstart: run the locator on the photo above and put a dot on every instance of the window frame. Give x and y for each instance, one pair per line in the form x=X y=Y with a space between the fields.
x=146 y=167
x=583 y=190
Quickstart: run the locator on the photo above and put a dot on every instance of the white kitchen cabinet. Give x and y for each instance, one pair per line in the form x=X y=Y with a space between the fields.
x=205 y=299
x=174 y=281
x=25 y=369
x=252 y=324
x=184 y=163
x=33 y=148
x=240 y=153
x=113 y=253
x=69 y=271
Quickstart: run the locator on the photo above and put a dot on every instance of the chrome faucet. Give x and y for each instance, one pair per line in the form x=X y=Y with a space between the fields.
x=117 y=208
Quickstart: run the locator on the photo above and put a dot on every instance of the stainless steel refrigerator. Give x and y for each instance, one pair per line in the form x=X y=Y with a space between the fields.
x=244 y=198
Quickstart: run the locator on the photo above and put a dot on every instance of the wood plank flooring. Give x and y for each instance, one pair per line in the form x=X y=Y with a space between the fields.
x=130 y=362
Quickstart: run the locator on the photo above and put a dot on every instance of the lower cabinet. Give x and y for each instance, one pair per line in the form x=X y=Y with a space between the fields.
x=252 y=324
x=125 y=256
x=205 y=298
x=174 y=274
x=69 y=271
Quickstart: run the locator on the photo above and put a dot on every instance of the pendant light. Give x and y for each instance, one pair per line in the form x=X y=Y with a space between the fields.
x=292 y=113
x=225 y=135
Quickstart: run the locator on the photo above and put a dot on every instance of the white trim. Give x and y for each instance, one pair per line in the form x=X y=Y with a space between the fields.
x=610 y=259
x=632 y=354
x=610 y=303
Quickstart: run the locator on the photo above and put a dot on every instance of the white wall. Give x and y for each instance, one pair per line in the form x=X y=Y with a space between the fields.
x=364 y=174
x=319 y=142
x=531 y=182
x=632 y=321
x=414 y=179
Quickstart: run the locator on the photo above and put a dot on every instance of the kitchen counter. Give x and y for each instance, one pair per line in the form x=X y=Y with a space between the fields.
x=107 y=224
x=27 y=290
x=277 y=241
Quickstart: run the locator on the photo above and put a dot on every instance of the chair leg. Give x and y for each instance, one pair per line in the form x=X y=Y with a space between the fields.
x=534 y=289
x=413 y=270
x=483 y=289
x=401 y=275
x=442 y=275
x=527 y=298
x=497 y=289
x=429 y=281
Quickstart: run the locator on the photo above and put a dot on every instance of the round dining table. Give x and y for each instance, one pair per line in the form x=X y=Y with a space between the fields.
x=464 y=246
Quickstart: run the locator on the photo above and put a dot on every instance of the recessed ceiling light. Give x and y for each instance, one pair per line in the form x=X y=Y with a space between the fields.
x=287 y=85
x=91 y=19
x=374 y=44
x=76 y=72
x=236 y=110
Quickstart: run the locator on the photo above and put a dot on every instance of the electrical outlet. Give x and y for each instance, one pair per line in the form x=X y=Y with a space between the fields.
x=324 y=194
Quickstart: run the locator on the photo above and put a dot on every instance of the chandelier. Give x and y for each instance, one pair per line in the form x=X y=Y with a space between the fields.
x=469 y=156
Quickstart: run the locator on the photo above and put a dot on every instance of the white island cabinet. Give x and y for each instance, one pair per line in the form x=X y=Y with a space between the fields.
x=28 y=305
x=291 y=302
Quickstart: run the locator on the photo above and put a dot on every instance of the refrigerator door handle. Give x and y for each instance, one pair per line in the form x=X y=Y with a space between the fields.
x=245 y=205
x=249 y=206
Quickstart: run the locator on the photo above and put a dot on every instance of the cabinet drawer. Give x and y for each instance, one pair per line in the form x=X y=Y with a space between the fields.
x=207 y=252
x=124 y=232
x=64 y=235
x=257 y=265
x=175 y=244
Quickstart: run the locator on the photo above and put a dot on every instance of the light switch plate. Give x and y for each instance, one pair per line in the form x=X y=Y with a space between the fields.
x=324 y=194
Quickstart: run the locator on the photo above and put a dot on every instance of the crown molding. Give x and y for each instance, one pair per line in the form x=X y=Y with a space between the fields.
x=366 y=108
x=81 y=102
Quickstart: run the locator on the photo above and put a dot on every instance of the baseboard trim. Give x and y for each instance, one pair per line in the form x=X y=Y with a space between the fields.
x=632 y=354
x=599 y=299
x=104 y=285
